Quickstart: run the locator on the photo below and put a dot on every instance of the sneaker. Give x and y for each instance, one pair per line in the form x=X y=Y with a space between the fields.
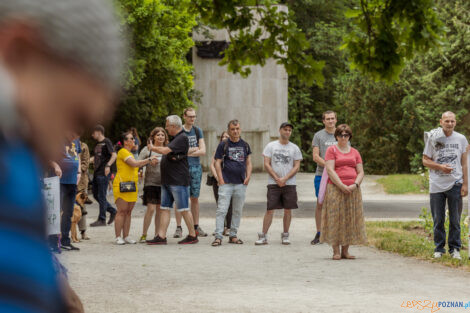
x=157 y=240
x=456 y=255
x=316 y=240
x=437 y=255
x=98 y=223
x=262 y=239
x=143 y=239
x=285 y=238
x=178 y=232
x=200 y=232
x=112 y=216
x=188 y=240
x=69 y=247
x=88 y=201
x=130 y=240
x=120 y=241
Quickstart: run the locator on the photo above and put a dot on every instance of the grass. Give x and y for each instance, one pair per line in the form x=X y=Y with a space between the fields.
x=412 y=240
x=404 y=183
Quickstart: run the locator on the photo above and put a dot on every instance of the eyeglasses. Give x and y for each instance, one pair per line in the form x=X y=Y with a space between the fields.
x=344 y=136
x=191 y=116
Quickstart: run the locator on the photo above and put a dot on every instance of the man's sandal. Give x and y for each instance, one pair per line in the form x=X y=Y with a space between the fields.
x=236 y=241
x=217 y=242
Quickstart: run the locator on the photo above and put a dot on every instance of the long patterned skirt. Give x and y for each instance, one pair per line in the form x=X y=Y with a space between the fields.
x=342 y=220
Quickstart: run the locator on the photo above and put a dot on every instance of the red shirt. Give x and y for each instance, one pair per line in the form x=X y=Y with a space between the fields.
x=345 y=164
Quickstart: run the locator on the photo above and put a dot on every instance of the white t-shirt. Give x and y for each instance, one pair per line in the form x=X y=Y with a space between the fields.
x=450 y=152
x=282 y=159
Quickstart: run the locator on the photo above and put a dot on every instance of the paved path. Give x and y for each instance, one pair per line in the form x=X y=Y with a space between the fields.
x=249 y=278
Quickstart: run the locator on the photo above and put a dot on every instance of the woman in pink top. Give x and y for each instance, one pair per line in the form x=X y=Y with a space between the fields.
x=342 y=214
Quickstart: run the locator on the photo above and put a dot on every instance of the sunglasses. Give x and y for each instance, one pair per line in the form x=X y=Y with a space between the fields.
x=344 y=136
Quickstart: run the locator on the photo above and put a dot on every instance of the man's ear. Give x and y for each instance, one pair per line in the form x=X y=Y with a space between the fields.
x=19 y=42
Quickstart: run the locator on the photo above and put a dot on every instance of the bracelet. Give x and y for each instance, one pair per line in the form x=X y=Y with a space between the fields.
x=108 y=165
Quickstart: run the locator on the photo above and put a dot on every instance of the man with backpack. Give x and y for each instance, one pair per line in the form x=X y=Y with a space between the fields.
x=196 y=141
x=233 y=166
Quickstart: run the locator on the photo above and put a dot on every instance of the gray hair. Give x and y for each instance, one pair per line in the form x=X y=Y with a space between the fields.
x=82 y=31
x=175 y=120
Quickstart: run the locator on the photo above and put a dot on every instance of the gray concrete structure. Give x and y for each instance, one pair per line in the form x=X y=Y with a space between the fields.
x=259 y=102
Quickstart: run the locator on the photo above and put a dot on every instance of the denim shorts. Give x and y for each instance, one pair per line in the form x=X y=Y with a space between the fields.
x=175 y=194
x=195 y=174
x=317 y=184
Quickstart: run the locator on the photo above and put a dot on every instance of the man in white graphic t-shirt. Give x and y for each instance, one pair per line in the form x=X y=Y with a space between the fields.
x=282 y=162
x=446 y=159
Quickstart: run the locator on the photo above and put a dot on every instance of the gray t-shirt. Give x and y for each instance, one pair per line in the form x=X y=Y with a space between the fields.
x=323 y=140
x=282 y=159
x=449 y=152
x=152 y=172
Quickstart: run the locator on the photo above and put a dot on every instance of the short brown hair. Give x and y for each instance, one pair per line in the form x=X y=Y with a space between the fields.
x=233 y=122
x=328 y=112
x=343 y=128
x=187 y=110
x=99 y=128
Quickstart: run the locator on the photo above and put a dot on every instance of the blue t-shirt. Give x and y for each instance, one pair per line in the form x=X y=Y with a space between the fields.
x=28 y=280
x=193 y=142
x=234 y=160
x=70 y=162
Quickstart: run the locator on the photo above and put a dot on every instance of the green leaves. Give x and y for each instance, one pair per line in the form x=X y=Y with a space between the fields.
x=388 y=32
x=260 y=30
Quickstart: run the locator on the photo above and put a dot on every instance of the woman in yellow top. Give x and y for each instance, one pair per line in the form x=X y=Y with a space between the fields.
x=127 y=169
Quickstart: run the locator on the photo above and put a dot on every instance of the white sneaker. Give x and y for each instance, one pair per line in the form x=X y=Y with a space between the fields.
x=120 y=241
x=437 y=255
x=456 y=255
x=285 y=238
x=129 y=240
x=262 y=239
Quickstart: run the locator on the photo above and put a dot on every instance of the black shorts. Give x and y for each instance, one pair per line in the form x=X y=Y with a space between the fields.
x=152 y=195
x=282 y=197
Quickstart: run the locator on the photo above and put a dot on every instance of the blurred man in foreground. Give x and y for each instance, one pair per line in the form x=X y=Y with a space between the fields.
x=59 y=72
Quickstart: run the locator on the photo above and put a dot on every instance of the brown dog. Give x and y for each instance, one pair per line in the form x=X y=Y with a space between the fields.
x=77 y=214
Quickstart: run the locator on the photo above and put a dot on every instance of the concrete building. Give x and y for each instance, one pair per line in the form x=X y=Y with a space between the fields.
x=259 y=102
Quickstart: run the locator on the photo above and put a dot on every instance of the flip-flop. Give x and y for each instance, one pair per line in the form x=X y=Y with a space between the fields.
x=236 y=242
x=336 y=257
x=348 y=257
x=217 y=242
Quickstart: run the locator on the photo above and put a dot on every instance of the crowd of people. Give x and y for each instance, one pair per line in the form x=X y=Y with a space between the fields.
x=173 y=175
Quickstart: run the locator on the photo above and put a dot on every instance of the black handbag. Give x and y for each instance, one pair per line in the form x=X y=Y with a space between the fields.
x=127 y=186
x=211 y=181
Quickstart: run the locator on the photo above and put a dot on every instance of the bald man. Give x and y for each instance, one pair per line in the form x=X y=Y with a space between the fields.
x=447 y=163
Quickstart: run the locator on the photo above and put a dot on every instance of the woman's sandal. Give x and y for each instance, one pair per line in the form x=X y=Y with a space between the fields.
x=217 y=242
x=348 y=256
x=235 y=242
x=336 y=257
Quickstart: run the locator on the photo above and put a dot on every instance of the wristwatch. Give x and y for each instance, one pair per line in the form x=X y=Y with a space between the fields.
x=357 y=185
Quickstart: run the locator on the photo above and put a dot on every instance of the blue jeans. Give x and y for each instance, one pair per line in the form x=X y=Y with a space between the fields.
x=177 y=194
x=67 y=200
x=235 y=193
x=438 y=210
x=195 y=175
x=100 y=187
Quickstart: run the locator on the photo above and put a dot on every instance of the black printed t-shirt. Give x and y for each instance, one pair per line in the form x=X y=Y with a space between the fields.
x=102 y=153
x=234 y=169
x=174 y=166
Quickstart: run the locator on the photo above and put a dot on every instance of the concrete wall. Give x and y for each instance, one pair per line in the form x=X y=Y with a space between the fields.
x=259 y=102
